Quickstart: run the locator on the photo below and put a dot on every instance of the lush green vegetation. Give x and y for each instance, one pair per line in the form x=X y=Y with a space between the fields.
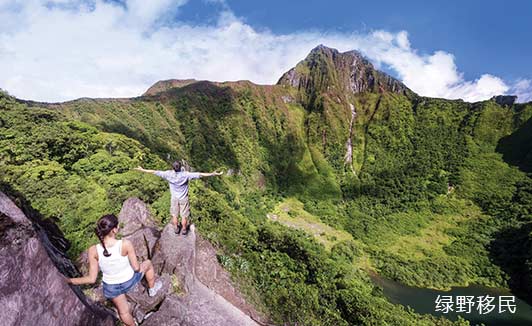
x=69 y=170
x=431 y=198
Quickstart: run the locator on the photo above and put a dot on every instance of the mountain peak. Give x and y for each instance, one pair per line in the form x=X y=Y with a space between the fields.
x=164 y=85
x=326 y=68
x=325 y=49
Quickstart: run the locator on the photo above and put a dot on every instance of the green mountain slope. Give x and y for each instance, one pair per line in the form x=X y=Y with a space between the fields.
x=336 y=170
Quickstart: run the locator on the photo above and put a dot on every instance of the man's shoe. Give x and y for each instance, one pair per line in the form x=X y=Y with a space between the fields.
x=178 y=228
x=186 y=229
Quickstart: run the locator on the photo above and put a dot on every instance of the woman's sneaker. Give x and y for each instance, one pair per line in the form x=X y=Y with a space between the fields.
x=156 y=287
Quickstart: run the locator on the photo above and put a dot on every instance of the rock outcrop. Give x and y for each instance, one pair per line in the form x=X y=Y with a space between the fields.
x=197 y=303
x=137 y=226
x=142 y=304
x=32 y=289
x=196 y=289
x=209 y=272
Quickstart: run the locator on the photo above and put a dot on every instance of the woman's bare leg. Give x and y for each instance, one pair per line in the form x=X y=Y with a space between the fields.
x=147 y=268
x=121 y=304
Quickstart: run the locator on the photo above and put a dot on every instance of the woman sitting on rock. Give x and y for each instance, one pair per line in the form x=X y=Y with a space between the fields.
x=120 y=267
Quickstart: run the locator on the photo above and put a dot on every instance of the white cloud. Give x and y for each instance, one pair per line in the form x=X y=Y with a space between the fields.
x=144 y=13
x=523 y=89
x=75 y=48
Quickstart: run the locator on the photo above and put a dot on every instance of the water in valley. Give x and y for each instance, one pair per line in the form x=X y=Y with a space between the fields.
x=424 y=301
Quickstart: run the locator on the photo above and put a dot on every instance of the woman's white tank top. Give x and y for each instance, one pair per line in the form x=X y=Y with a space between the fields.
x=115 y=268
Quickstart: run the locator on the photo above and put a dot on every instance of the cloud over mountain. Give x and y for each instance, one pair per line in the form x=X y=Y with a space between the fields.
x=60 y=50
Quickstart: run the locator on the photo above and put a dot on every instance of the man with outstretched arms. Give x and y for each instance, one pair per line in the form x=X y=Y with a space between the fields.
x=178 y=182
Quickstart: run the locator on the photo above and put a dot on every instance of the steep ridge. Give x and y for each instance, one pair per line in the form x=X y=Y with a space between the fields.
x=32 y=289
x=186 y=298
x=200 y=304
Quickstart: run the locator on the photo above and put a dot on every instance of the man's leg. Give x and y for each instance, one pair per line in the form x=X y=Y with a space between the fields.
x=174 y=212
x=184 y=222
x=184 y=210
x=174 y=220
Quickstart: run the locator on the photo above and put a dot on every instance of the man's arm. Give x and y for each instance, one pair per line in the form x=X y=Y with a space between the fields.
x=139 y=168
x=212 y=174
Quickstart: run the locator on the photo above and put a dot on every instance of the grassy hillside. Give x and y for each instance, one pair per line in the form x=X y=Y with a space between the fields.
x=429 y=197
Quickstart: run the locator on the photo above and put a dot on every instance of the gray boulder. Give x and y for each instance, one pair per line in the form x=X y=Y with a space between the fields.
x=171 y=313
x=138 y=226
x=144 y=241
x=133 y=216
x=176 y=255
x=141 y=303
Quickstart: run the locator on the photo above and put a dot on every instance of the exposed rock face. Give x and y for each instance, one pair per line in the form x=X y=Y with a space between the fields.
x=176 y=255
x=214 y=276
x=32 y=290
x=133 y=216
x=326 y=70
x=202 y=307
x=505 y=100
x=200 y=304
x=137 y=226
x=141 y=303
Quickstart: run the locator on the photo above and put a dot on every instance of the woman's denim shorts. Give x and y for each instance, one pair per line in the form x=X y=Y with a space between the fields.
x=111 y=291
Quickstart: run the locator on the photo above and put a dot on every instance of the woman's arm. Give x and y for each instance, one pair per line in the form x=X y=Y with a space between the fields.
x=93 y=269
x=139 y=168
x=130 y=252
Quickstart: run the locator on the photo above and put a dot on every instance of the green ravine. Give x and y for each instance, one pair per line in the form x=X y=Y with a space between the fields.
x=436 y=194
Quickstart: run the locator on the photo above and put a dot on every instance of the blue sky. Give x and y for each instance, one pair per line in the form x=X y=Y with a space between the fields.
x=484 y=36
x=55 y=50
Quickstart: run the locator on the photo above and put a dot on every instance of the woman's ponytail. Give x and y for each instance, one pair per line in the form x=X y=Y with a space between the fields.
x=100 y=237
x=105 y=225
